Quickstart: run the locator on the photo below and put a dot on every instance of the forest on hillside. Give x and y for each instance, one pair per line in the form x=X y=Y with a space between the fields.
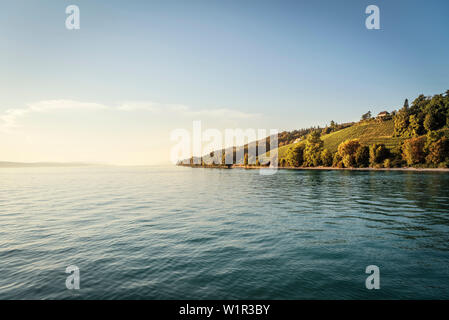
x=419 y=138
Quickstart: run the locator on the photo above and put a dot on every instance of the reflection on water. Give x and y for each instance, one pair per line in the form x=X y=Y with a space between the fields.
x=164 y=233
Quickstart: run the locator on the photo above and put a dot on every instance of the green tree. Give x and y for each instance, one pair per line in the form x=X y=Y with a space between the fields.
x=294 y=156
x=349 y=161
x=362 y=157
x=347 y=151
x=436 y=113
x=432 y=137
x=312 y=150
x=366 y=116
x=418 y=106
x=438 y=151
x=245 y=159
x=326 y=158
x=337 y=161
x=401 y=122
x=413 y=150
x=378 y=153
x=348 y=147
x=432 y=121
x=405 y=104
x=415 y=127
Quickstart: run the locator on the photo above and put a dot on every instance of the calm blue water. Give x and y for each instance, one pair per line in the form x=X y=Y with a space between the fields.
x=182 y=233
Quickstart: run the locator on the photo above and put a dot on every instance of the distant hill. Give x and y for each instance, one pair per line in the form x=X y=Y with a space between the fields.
x=417 y=135
x=284 y=138
x=7 y=164
x=368 y=133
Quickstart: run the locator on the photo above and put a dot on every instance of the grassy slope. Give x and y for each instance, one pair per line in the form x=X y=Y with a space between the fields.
x=367 y=133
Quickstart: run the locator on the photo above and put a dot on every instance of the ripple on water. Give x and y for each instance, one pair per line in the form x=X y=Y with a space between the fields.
x=165 y=233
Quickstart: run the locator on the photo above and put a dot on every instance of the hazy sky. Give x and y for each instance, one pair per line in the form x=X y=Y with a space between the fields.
x=136 y=70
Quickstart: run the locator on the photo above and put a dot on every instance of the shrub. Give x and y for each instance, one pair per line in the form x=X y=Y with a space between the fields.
x=444 y=164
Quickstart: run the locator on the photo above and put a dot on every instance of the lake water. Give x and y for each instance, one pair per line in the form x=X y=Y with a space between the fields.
x=183 y=233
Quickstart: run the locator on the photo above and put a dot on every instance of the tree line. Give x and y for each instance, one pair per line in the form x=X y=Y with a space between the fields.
x=424 y=127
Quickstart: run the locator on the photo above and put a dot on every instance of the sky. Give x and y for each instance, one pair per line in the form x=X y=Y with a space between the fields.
x=114 y=90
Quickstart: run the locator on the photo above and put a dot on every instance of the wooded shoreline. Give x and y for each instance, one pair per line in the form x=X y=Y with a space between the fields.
x=414 y=138
x=234 y=166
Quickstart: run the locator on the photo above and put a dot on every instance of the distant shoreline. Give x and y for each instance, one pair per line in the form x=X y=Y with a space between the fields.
x=8 y=164
x=411 y=169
